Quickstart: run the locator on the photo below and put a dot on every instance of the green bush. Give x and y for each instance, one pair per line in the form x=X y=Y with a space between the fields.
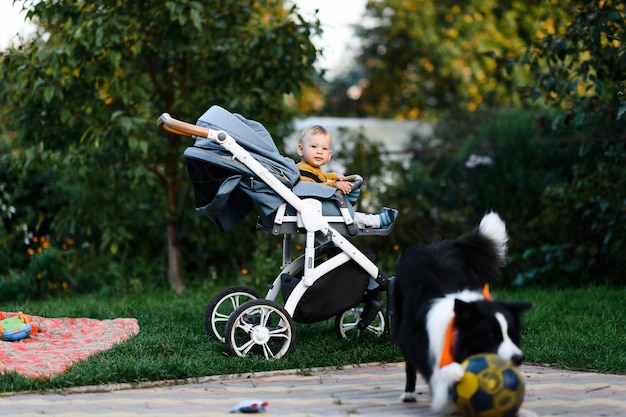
x=583 y=225
x=563 y=199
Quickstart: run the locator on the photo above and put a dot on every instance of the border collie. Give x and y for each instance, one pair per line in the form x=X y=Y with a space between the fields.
x=443 y=313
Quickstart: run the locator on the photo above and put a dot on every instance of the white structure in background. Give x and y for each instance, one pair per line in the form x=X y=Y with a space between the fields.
x=475 y=160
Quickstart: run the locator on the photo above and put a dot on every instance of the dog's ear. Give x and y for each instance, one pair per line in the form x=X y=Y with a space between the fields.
x=518 y=307
x=465 y=312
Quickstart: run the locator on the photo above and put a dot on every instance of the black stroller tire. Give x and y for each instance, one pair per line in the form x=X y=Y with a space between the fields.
x=260 y=327
x=221 y=307
x=347 y=324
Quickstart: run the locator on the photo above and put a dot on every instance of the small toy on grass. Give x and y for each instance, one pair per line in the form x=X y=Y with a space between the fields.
x=250 y=406
x=491 y=387
x=17 y=327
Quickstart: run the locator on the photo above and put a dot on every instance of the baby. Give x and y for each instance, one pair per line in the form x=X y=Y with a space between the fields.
x=315 y=149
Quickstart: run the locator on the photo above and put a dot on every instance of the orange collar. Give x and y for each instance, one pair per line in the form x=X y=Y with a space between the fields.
x=486 y=293
x=447 y=353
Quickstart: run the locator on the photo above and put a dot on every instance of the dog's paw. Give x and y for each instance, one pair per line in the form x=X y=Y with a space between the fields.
x=445 y=409
x=452 y=373
x=441 y=404
x=408 y=397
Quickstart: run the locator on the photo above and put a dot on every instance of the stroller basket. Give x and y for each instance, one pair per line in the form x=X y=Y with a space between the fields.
x=335 y=292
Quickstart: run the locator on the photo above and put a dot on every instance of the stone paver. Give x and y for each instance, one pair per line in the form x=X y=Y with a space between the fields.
x=367 y=390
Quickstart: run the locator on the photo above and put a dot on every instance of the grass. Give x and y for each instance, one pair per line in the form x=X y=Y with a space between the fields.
x=572 y=328
x=581 y=329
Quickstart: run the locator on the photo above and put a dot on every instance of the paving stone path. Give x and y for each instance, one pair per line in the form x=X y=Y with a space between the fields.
x=367 y=390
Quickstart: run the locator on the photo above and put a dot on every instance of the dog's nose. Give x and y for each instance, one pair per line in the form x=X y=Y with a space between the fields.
x=517 y=360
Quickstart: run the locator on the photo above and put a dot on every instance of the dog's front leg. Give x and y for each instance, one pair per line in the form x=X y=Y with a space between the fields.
x=441 y=381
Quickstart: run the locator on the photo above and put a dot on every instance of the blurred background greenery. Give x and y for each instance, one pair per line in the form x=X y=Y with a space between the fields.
x=526 y=99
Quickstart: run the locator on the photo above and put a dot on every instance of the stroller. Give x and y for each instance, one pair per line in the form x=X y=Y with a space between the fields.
x=235 y=167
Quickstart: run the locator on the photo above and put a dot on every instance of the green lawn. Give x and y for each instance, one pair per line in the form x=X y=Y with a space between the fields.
x=572 y=328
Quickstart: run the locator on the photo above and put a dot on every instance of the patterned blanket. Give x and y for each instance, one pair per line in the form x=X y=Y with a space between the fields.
x=61 y=342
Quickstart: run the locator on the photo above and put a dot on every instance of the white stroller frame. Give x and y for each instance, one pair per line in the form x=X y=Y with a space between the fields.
x=309 y=217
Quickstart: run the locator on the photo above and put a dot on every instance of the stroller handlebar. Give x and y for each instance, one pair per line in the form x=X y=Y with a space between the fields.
x=178 y=127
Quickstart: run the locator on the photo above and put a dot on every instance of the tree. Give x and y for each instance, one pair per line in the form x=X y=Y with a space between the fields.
x=83 y=97
x=579 y=67
x=579 y=70
x=426 y=58
x=459 y=62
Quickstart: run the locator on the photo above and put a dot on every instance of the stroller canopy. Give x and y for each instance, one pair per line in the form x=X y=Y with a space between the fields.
x=225 y=189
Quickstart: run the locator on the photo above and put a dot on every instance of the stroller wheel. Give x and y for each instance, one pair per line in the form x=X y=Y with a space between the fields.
x=262 y=327
x=221 y=307
x=347 y=323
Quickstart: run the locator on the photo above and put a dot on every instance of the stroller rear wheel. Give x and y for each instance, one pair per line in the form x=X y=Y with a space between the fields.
x=347 y=323
x=260 y=326
x=222 y=306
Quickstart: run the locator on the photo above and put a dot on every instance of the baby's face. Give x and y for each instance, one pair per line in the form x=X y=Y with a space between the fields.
x=316 y=150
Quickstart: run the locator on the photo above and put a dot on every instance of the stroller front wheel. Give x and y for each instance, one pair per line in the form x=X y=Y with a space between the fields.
x=222 y=306
x=262 y=327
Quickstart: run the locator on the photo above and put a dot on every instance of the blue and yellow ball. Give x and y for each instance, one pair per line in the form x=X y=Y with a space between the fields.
x=491 y=387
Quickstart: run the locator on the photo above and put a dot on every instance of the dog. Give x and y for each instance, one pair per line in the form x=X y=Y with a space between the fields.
x=443 y=313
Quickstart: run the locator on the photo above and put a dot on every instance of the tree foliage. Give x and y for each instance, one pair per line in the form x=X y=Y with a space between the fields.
x=424 y=58
x=580 y=67
x=88 y=184
x=79 y=104
x=580 y=71
x=557 y=176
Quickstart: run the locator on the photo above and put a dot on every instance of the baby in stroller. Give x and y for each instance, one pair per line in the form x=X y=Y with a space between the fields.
x=315 y=149
x=235 y=167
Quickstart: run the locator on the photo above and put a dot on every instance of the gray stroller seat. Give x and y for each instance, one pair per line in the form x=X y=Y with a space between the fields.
x=226 y=190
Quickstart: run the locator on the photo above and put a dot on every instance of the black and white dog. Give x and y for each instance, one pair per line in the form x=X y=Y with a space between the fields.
x=443 y=313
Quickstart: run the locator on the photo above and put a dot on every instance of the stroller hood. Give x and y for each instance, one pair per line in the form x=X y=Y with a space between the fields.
x=225 y=189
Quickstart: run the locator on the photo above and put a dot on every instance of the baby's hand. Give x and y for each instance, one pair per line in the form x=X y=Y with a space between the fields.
x=344 y=186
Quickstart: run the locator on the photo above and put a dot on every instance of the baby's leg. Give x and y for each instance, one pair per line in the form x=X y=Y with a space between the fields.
x=365 y=221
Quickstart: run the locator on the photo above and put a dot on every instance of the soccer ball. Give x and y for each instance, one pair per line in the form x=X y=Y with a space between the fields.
x=491 y=387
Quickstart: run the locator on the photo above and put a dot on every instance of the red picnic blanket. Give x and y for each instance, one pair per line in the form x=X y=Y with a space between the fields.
x=61 y=342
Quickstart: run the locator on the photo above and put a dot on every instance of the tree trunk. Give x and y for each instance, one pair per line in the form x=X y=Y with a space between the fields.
x=174 y=270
